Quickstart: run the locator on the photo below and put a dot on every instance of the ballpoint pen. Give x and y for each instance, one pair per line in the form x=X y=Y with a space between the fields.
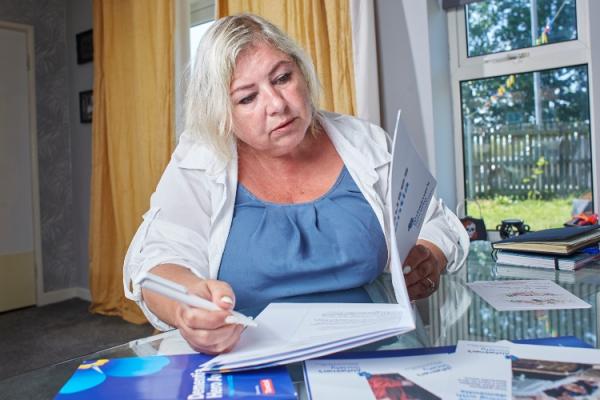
x=179 y=293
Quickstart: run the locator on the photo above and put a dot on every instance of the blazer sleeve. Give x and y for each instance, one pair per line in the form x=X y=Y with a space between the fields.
x=174 y=230
x=443 y=228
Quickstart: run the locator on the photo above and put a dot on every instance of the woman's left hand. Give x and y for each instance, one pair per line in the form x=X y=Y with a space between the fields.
x=422 y=269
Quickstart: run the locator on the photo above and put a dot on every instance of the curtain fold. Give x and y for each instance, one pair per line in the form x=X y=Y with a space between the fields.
x=132 y=133
x=323 y=29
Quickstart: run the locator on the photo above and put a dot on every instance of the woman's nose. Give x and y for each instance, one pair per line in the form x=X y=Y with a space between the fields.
x=275 y=102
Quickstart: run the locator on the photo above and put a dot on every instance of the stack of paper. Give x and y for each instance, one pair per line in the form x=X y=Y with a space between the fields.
x=290 y=332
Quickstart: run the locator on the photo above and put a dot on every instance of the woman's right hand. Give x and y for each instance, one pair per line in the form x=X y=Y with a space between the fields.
x=209 y=331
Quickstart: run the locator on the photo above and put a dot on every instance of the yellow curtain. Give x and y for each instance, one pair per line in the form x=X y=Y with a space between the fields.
x=132 y=134
x=323 y=29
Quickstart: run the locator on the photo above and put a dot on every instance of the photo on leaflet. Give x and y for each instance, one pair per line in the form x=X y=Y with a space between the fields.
x=396 y=387
x=537 y=379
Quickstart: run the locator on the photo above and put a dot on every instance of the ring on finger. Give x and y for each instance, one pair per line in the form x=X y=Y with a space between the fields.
x=431 y=283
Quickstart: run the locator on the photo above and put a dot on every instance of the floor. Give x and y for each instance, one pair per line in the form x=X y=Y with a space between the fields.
x=40 y=336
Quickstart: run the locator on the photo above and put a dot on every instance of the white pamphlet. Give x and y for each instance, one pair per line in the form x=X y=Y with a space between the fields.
x=290 y=332
x=431 y=376
x=411 y=190
x=511 y=295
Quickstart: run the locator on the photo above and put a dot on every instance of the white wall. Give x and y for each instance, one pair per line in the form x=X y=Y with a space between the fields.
x=414 y=75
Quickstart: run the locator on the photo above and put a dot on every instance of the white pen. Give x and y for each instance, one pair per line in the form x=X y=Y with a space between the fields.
x=179 y=293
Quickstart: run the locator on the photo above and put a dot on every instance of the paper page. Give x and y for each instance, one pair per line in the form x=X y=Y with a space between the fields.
x=412 y=187
x=295 y=329
x=464 y=347
x=436 y=376
x=411 y=190
x=534 y=294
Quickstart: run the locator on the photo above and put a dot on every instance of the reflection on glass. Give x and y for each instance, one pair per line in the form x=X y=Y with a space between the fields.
x=501 y=25
x=526 y=141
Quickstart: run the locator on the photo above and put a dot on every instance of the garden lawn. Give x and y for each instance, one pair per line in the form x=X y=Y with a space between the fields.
x=538 y=214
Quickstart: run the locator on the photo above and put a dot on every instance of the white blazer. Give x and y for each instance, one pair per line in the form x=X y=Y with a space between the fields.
x=191 y=210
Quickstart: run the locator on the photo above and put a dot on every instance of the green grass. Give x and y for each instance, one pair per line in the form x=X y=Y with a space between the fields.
x=538 y=214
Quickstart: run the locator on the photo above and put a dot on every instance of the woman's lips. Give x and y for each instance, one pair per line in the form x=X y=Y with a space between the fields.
x=284 y=125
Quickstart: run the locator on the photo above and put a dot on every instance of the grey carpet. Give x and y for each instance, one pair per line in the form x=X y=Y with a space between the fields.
x=40 y=336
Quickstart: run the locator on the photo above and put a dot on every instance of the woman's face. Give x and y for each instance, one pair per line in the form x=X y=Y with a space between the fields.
x=270 y=102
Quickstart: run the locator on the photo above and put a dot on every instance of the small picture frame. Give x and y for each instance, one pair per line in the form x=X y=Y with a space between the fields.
x=86 y=106
x=85 y=47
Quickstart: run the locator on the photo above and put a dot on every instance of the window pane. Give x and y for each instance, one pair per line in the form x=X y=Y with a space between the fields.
x=196 y=33
x=527 y=146
x=501 y=25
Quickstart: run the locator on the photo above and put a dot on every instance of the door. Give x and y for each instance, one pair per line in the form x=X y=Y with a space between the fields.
x=17 y=129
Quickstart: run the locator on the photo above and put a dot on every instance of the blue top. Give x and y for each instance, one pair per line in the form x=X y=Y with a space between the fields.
x=281 y=250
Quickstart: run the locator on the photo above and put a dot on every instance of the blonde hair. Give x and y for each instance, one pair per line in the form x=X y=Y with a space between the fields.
x=208 y=107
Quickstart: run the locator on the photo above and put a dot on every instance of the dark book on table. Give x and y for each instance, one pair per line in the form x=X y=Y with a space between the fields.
x=552 y=241
x=172 y=377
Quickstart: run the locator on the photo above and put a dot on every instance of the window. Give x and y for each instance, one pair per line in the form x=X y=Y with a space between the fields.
x=202 y=15
x=196 y=33
x=504 y=25
x=520 y=77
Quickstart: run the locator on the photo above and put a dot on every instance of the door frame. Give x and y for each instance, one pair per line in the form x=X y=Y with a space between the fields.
x=33 y=148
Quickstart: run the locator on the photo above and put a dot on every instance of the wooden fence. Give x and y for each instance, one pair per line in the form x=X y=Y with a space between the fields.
x=504 y=162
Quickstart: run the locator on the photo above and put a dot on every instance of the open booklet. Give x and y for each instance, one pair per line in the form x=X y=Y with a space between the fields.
x=289 y=332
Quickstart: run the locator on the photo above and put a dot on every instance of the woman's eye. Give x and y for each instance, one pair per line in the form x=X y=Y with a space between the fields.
x=247 y=99
x=284 y=78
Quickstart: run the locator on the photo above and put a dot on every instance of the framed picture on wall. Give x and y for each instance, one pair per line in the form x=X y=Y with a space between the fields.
x=86 y=106
x=85 y=47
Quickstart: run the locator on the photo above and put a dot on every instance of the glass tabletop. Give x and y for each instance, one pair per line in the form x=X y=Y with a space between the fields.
x=452 y=313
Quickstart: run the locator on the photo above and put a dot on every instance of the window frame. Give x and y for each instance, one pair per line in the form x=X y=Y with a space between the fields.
x=531 y=59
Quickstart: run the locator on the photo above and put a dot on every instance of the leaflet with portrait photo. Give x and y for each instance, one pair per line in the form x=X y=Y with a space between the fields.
x=431 y=376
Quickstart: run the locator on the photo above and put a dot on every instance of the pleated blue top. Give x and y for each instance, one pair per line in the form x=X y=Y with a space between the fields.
x=275 y=251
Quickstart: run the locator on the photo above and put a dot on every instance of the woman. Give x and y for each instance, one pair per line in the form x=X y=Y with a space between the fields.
x=265 y=197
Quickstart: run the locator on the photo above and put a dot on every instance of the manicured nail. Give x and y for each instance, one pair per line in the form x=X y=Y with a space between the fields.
x=406 y=270
x=227 y=299
x=232 y=319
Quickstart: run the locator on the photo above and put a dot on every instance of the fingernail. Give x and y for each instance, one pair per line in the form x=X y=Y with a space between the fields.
x=406 y=270
x=234 y=319
x=227 y=299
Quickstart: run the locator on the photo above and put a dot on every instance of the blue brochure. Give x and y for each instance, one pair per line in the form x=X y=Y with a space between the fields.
x=172 y=377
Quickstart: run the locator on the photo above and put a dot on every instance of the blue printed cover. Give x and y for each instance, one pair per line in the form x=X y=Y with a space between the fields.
x=172 y=377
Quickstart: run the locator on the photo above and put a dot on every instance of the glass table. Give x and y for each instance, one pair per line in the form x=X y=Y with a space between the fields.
x=452 y=313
